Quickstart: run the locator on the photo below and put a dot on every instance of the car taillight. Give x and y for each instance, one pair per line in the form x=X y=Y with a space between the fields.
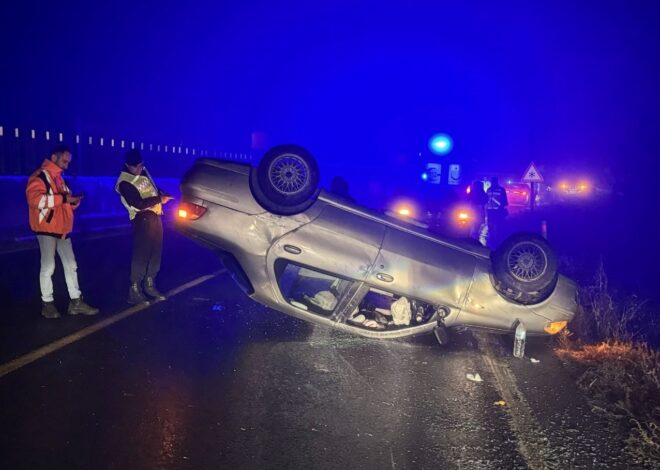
x=555 y=327
x=190 y=211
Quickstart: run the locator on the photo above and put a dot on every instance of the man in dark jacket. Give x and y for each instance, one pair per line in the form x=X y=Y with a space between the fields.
x=144 y=202
x=478 y=200
x=496 y=210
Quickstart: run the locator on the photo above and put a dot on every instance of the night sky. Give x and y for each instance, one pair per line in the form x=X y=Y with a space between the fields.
x=562 y=83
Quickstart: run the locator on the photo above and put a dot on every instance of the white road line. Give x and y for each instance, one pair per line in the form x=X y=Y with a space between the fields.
x=532 y=443
x=30 y=357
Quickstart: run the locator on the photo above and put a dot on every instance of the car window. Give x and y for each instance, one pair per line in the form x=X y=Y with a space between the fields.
x=384 y=310
x=311 y=290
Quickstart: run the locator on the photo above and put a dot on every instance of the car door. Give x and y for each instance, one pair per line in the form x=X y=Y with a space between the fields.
x=330 y=254
x=337 y=241
x=422 y=267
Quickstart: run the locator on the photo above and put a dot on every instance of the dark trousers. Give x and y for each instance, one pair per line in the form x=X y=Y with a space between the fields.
x=496 y=220
x=147 y=245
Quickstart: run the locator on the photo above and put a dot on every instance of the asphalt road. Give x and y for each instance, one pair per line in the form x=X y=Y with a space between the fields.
x=210 y=379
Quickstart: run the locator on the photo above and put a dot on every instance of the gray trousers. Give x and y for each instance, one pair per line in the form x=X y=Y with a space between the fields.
x=48 y=246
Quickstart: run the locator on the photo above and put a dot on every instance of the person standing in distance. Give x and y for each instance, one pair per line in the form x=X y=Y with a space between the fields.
x=478 y=200
x=144 y=202
x=51 y=206
x=496 y=210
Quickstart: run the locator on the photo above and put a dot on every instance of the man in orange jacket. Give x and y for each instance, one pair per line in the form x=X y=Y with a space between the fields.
x=51 y=207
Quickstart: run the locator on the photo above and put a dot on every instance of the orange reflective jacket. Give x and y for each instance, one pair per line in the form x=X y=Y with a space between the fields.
x=46 y=193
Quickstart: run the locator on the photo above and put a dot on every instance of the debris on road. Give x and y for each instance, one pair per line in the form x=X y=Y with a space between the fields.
x=474 y=377
x=534 y=361
x=499 y=403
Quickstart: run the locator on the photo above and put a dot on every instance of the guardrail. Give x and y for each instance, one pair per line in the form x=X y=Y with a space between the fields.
x=23 y=149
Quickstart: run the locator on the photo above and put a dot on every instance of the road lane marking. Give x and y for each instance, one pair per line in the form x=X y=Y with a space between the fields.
x=532 y=442
x=30 y=357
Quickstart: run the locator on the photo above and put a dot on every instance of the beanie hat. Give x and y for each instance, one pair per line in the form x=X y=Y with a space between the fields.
x=133 y=157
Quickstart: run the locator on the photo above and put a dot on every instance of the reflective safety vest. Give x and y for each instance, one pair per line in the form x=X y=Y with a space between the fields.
x=496 y=198
x=46 y=192
x=145 y=186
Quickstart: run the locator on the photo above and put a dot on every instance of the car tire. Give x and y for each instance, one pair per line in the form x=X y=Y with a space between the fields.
x=286 y=180
x=525 y=268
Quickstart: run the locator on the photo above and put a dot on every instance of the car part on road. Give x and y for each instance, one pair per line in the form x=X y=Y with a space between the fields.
x=525 y=268
x=441 y=335
x=286 y=180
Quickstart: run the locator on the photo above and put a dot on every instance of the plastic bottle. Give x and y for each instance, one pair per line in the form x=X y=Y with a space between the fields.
x=519 y=340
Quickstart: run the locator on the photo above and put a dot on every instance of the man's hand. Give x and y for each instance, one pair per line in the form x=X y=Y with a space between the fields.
x=164 y=199
x=73 y=200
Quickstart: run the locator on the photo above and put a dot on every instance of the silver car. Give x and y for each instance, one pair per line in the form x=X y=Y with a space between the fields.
x=322 y=258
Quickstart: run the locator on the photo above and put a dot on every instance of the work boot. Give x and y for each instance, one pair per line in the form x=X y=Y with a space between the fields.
x=150 y=289
x=49 y=310
x=135 y=295
x=78 y=305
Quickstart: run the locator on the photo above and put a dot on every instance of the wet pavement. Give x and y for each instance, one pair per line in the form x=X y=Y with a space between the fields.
x=210 y=379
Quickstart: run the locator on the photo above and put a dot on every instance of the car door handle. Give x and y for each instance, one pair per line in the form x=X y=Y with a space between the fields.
x=384 y=277
x=294 y=250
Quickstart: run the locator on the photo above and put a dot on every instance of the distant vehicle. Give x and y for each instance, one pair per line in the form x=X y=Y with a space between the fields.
x=518 y=194
x=574 y=187
x=324 y=259
x=455 y=219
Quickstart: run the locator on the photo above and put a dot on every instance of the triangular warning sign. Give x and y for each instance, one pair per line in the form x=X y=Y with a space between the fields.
x=532 y=175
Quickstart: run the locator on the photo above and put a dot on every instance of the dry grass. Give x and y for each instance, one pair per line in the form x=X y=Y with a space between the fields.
x=622 y=380
x=622 y=376
x=602 y=316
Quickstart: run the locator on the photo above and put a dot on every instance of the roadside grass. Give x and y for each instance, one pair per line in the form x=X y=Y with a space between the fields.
x=619 y=372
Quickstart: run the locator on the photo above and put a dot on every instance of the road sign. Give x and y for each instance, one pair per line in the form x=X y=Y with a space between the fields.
x=532 y=175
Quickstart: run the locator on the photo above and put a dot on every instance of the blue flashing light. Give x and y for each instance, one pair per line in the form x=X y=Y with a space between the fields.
x=425 y=176
x=440 y=144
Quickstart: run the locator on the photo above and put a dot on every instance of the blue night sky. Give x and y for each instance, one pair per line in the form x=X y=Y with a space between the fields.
x=359 y=83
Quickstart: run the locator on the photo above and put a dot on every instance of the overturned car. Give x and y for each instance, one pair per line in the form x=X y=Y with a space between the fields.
x=322 y=258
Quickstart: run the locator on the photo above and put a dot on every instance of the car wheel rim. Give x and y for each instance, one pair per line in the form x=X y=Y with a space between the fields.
x=527 y=262
x=289 y=174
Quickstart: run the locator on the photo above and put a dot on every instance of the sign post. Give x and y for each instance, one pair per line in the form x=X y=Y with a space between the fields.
x=533 y=177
